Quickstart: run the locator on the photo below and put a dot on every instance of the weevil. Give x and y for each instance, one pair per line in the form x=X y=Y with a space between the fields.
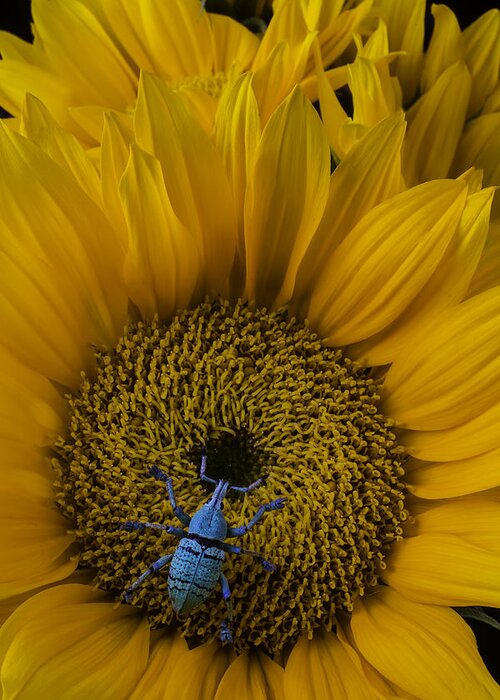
x=196 y=564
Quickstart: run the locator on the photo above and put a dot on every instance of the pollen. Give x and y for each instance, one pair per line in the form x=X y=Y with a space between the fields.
x=211 y=84
x=266 y=397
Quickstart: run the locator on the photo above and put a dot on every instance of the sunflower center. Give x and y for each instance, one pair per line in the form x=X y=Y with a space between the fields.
x=211 y=84
x=265 y=397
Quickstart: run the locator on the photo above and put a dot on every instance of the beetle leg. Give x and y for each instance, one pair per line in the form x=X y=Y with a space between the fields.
x=178 y=512
x=243 y=529
x=203 y=467
x=132 y=525
x=155 y=566
x=234 y=549
x=226 y=634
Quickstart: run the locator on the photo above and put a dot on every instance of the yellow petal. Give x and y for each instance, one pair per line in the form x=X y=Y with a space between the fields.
x=116 y=138
x=405 y=24
x=179 y=41
x=17 y=77
x=384 y=262
x=488 y=271
x=452 y=373
x=35 y=539
x=194 y=174
x=125 y=20
x=333 y=114
x=446 y=46
x=466 y=440
x=443 y=569
x=163 y=258
x=70 y=31
x=42 y=329
x=62 y=288
x=62 y=644
x=368 y=175
x=323 y=668
x=32 y=411
x=370 y=105
x=288 y=23
x=428 y=651
x=280 y=73
x=237 y=134
x=232 y=44
x=286 y=197
x=435 y=124
x=252 y=676
x=164 y=655
x=336 y=26
x=476 y=521
x=39 y=126
x=482 y=54
x=480 y=146
x=447 y=286
x=457 y=478
x=197 y=673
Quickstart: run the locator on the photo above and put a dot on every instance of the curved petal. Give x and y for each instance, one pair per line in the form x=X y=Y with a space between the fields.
x=237 y=134
x=451 y=374
x=478 y=435
x=457 y=478
x=163 y=262
x=194 y=174
x=446 y=287
x=323 y=668
x=443 y=569
x=428 y=651
x=63 y=288
x=285 y=198
x=405 y=24
x=197 y=673
x=32 y=411
x=252 y=676
x=233 y=44
x=385 y=261
x=482 y=54
x=65 y=642
x=368 y=175
x=476 y=521
x=35 y=540
x=445 y=48
x=435 y=124
x=76 y=45
x=40 y=127
x=165 y=653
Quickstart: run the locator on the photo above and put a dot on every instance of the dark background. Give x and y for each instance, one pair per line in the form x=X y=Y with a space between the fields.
x=15 y=17
x=15 y=14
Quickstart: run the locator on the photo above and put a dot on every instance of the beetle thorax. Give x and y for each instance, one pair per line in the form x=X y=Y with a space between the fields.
x=209 y=522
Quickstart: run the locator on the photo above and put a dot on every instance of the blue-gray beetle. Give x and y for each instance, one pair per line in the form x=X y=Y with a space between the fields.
x=195 y=566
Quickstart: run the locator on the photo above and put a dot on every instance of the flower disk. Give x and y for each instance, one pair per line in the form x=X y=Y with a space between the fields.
x=266 y=397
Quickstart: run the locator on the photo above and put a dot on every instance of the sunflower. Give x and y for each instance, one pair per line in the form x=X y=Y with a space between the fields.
x=230 y=292
x=87 y=55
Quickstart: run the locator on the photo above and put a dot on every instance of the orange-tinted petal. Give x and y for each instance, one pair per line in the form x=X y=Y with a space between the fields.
x=426 y=650
x=197 y=673
x=66 y=643
x=323 y=668
x=385 y=261
x=444 y=569
x=452 y=373
x=252 y=676
x=285 y=199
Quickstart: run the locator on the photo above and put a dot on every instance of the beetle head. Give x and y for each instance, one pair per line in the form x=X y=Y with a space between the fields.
x=209 y=521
